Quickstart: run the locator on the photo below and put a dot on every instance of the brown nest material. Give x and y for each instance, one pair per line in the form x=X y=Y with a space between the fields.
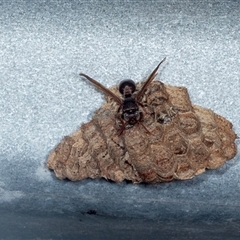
x=184 y=141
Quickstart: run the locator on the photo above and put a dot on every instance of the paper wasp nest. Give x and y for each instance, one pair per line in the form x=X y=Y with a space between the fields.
x=185 y=140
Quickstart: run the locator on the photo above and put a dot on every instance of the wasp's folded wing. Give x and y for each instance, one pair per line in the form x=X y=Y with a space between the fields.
x=102 y=88
x=148 y=81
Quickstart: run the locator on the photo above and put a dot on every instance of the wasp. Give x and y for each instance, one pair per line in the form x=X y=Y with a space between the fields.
x=130 y=114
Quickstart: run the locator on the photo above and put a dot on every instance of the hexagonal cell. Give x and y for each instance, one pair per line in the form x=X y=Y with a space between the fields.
x=184 y=169
x=216 y=159
x=163 y=158
x=229 y=147
x=199 y=154
x=175 y=142
x=212 y=141
x=206 y=118
x=156 y=134
x=179 y=98
x=149 y=175
x=188 y=122
x=155 y=95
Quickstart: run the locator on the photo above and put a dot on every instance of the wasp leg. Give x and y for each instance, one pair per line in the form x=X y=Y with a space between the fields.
x=139 y=122
x=120 y=131
x=122 y=124
x=147 y=131
x=119 y=108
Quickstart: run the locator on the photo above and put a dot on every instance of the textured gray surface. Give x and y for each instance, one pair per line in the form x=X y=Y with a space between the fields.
x=43 y=47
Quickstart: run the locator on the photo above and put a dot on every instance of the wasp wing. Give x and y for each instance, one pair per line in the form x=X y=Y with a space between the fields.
x=148 y=81
x=102 y=88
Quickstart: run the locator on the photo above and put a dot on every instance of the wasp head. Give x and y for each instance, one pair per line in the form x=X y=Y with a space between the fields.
x=127 y=87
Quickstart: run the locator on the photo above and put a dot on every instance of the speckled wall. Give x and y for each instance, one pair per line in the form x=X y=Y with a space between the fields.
x=44 y=45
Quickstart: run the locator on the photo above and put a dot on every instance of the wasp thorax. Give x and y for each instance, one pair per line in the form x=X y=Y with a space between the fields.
x=127 y=87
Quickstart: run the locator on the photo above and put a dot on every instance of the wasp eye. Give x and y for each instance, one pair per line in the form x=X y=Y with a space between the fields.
x=127 y=82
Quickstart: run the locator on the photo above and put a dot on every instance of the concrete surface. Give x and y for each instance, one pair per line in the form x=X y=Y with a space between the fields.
x=44 y=45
